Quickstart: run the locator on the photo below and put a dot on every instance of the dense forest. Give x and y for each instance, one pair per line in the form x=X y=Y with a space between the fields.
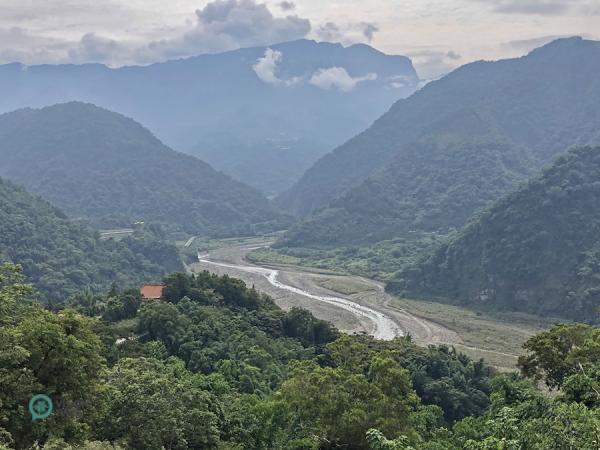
x=62 y=257
x=537 y=250
x=216 y=365
x=452 y=148
x=97 y=164
x=437 y=185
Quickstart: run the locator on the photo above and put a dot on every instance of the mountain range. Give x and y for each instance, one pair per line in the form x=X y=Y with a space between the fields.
x=451 y=149
x=96 y=164
x=262 y=115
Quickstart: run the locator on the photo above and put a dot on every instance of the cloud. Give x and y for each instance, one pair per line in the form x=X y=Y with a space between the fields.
x=400 y=81
x=27 y=48
x=333 y=78
x=221 y=25
x=229 y=24
x=287 y=6
x=536 y=7
x=338 y=78
x=351 y=33
x=369 y=30
x=329 y=32
x=453 y=55
x=432 y=63
x=96 y=48
x=266 y=67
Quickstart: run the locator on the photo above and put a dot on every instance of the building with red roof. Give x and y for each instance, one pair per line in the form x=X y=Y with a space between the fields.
x=152 y=291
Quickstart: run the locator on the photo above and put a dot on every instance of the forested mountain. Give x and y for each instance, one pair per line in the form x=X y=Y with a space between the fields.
x=62 y=257
x=452 y=147
x=263 y=115
x=537 y=250
x=95 y=163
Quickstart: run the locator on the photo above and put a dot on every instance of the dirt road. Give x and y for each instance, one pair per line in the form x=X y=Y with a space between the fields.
x=368 y=311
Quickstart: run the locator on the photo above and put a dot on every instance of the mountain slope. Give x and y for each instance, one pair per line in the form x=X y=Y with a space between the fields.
x=91 y=162
x=535 y=107
x=438 y=183
x=61 y=257
x=261 y=114
x=537 y=250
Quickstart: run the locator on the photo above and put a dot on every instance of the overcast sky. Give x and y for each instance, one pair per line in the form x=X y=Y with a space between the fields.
x=437 y=34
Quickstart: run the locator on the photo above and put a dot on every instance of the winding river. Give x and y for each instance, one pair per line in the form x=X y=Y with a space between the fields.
x=384 y=327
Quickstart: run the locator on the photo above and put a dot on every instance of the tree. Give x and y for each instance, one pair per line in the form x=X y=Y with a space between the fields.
x=151 y=405
x=377 y=441
x=42 y=352
x=300 y=323
x=560 y=352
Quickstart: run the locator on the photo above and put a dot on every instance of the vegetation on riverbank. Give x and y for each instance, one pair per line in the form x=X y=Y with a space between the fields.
x=379 y=261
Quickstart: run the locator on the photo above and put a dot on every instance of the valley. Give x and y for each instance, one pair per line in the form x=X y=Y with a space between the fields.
x=264 y=233
x=358 y=305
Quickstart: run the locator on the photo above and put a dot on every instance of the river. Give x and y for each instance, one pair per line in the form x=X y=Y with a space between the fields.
x=384 y=327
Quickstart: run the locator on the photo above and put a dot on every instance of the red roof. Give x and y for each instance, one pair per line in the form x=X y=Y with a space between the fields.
x=152 y=291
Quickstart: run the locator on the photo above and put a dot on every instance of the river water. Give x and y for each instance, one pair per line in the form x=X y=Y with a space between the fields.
x=384 y=327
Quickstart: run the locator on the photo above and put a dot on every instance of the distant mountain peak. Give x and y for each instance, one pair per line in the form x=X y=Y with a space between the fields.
x=562 y=45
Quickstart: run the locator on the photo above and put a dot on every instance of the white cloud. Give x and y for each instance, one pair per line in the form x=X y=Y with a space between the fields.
x=347 y=34
x=230 y=24
x=120 y=32
x=220 y=26
x=536 y=7
x=400 y=81
x=432 y=63
x=338 y=78
x=266 y=67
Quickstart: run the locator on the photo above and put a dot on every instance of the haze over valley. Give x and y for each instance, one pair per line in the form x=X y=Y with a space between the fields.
x=248 y=224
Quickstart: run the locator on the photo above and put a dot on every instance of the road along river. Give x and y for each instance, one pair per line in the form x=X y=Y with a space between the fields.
x=368 y=311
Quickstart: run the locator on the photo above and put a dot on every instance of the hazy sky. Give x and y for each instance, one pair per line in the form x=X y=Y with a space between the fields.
x=438 y=34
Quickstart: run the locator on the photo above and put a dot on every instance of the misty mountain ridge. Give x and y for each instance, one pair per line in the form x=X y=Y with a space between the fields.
x=232 y=109
x=451 y=148
x=97 y=164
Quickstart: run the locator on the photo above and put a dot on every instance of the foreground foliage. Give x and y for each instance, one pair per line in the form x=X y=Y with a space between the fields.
x=218 y=366
x=215 y=365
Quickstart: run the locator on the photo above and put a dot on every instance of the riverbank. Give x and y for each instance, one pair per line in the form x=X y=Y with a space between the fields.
x=479 y=336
